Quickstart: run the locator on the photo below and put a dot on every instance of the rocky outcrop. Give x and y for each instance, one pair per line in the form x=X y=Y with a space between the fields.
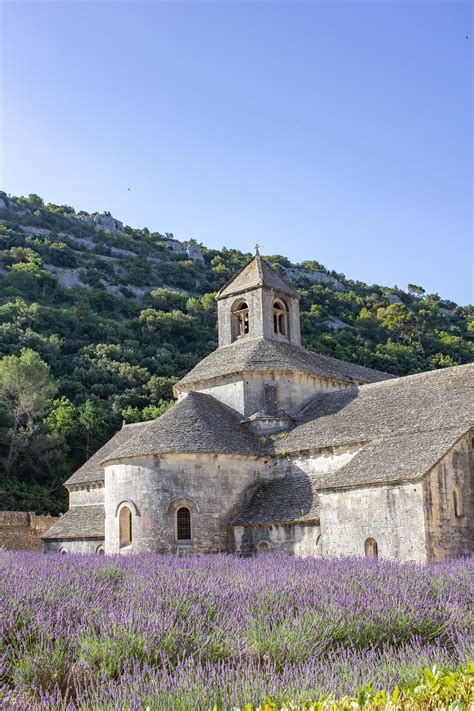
x=13 y=206
x=137 y=291
x=83 y=242
x=117 y=252
x=335 y=324
x=185 y=249
x=18 y=208
x=394 y=299
x=102 y=222
x=68 y=278
x=33 y=231
x=314 y=277
x=445 y=312
x=193 y=251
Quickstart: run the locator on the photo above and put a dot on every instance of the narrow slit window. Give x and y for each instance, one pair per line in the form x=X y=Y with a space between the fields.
x=371 y=548
x=125 y=526
x=270 y=398
x=458 y=503
x=183 y=524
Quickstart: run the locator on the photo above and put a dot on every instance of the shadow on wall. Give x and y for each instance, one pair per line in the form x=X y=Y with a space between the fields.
x=282 y=515
x=328 y=403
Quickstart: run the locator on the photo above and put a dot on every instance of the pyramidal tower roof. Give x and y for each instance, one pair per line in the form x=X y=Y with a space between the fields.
x=257 y=273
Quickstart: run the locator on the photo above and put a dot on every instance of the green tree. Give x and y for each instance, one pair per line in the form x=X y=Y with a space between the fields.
x=62 y=417
x=415 y=290
x=91 y=421
x=26 y=385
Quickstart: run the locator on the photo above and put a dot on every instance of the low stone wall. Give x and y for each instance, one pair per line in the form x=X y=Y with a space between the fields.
x=301 y=539
x=21 y=531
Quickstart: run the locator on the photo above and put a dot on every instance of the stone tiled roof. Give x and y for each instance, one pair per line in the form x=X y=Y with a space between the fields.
x=264 y=354
x=293 y=499
x=79 y=522
x=436 y=400
x=407 y=424
x=404 y=426
x=91 y=470
x=197 y=423
x=256 y=273
x=396 y=458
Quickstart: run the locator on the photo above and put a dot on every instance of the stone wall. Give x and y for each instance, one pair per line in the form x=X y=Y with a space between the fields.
x=297 y=539
x=325 y=461
x=393 y=515
x=450 y=521
x=214 y=487
x=20 y=531
x=86 y=494
x=245 y=393
x=260 y=304
x=292 y=304
x=224 y=316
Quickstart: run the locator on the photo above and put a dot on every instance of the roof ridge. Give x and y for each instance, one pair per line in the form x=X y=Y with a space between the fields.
x=234 y=276
x=413 y=376
x=142 y=422
x=327 y=480
x=258 y=261
x=260 y=274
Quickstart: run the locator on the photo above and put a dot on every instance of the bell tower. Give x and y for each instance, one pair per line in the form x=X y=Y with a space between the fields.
x=258 y=303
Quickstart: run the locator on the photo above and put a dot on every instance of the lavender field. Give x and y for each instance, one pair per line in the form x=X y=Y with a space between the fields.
x=81 y=632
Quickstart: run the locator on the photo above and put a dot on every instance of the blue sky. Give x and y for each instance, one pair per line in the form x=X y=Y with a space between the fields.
x=327 y=130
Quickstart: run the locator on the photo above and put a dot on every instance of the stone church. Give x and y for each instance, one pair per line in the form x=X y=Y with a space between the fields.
x=272 y=447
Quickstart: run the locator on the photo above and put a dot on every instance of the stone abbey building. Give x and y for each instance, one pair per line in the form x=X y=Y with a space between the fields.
x=271 y=446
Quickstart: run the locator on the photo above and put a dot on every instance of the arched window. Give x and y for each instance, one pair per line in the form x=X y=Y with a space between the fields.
x=371 y=548
x=263 y=547
x=240 y=319
x=458 y=503
x=183 y=524
x=125 y=526
x=280 y=318
x=100 y=550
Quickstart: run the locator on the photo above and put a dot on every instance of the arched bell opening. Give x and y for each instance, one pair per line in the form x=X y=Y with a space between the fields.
x=240 y=319
x=280 y=318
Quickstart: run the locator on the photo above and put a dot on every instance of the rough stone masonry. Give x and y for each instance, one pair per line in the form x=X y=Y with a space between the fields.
x=271 y=446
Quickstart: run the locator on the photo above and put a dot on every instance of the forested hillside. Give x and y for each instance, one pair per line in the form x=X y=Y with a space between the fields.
x=99 y=320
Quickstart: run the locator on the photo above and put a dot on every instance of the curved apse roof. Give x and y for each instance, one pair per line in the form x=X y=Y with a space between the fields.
x=199 y=424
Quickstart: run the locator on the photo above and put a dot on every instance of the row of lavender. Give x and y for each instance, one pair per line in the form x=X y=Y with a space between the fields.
x=167 y=632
